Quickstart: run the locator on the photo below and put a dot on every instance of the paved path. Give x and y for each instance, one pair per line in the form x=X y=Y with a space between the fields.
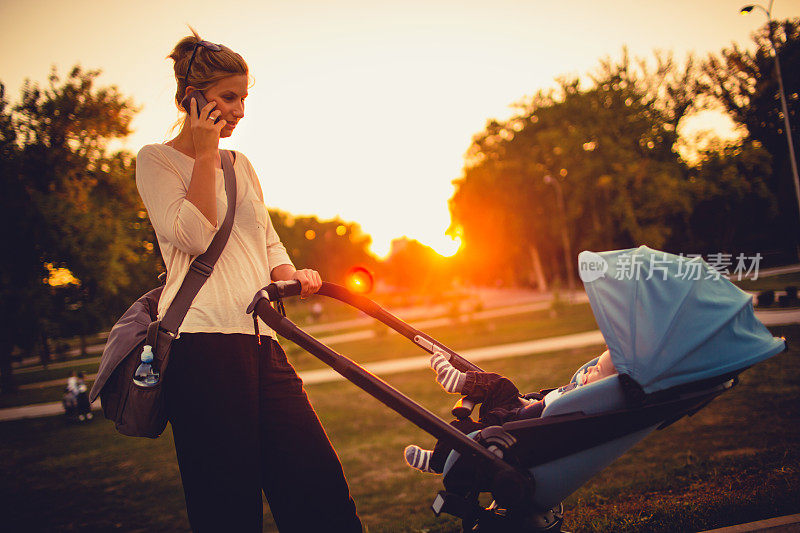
x=778 y=270
x=779 y=317
x=517 y=349
x=394 y=366
x=422 y=325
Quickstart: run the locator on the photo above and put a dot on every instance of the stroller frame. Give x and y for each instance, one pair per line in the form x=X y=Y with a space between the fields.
x=497 y=459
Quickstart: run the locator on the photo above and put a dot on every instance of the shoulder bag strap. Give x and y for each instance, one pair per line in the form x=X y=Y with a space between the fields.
x=203 y=265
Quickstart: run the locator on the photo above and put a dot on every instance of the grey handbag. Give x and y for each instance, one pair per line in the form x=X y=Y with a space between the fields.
x=141 y=411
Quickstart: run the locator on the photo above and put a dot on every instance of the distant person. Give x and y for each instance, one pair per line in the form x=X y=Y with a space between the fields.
x=75 y=399
x=72 y=383
x=84 y=407
x=316 y=312
x=242 y=422
x=70 y=397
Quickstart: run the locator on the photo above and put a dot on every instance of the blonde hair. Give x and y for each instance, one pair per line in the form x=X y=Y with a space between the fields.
x=208 y=66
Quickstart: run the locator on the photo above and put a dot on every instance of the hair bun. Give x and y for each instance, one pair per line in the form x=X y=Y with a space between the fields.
x=208 y=67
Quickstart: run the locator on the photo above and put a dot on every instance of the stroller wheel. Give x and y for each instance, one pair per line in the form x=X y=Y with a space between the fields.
x=496 y=520
x=549 y=520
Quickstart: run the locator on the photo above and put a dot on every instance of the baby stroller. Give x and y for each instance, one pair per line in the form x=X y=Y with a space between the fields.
x=677 y=341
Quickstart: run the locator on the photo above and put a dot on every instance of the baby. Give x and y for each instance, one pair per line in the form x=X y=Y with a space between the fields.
x=500 y=402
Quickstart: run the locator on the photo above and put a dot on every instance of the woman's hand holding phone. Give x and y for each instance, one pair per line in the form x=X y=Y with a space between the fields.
x=206 y=126
x=205 y=131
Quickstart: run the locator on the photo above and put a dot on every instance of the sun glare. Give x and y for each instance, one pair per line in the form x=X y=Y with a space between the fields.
x=446 y=246
x=359 y=280
x=58 y=277
x=443 y=245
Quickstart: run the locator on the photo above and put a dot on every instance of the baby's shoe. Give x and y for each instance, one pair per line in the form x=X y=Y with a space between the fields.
x=418 y=458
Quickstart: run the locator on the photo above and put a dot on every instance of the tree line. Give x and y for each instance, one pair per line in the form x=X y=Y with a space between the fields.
x=603 y=165
x=590 y=165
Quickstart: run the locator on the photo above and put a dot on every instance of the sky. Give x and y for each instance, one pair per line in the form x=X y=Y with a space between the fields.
x=362 y=110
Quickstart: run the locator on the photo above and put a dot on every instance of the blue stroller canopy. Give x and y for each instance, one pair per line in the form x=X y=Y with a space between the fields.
x=670 y=320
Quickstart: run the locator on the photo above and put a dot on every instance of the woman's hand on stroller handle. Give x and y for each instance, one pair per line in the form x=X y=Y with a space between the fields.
x=310 y=281
x=305 y=284
x=281 y=289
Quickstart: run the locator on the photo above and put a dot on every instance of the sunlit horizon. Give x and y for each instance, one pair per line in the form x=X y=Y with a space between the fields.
x=363 y=111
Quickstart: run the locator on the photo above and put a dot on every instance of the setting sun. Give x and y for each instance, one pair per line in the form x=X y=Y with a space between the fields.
x=446 y=246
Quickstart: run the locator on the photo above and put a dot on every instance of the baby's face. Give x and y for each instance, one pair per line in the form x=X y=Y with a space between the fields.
x=603 y=368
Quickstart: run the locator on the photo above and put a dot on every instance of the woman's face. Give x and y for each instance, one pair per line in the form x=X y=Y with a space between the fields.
x=229 y=94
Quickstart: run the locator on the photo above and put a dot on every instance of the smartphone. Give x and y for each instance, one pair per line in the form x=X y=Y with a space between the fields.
x=201 y=102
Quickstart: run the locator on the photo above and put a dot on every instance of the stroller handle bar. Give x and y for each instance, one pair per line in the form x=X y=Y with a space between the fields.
x=505 y=478
x=283 y=289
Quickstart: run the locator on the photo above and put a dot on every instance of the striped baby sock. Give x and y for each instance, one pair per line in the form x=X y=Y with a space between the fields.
x=448 y=377
x=418 y=458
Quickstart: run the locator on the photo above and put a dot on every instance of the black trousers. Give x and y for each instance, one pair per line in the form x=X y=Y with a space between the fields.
x=242 y=425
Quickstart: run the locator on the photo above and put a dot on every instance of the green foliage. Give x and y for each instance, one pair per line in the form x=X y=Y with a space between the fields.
x=730 y=182
x=330 y=246
x=609 y=148
x=69 y=204
x=745 y=83
x=417 y=268
x=20 y=268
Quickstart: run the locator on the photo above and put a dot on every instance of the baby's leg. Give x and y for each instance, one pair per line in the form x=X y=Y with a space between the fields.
x=448 y=377
x=418 y=458
x=433 y=460
x=442 y=451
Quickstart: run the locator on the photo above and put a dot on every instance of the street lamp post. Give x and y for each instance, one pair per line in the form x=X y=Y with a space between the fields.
x=564 y=234
x=786 y=124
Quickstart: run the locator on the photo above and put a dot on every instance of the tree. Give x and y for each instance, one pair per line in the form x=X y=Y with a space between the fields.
x=331 y=246
x=733 y=205
x=745 y=84
x=69 y=205
x=417 y=268
x=21 y=271
x=612 y=148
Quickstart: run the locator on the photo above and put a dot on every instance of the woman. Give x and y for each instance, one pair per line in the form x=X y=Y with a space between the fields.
x=241 y=420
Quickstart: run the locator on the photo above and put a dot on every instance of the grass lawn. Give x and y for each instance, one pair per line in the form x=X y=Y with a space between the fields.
x=459 y=336
x=87 y=366
x=67 y=345
x=737 y=460
x=385 y=345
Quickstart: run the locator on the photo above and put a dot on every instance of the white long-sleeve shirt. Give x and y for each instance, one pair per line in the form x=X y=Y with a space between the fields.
x=252 y=251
